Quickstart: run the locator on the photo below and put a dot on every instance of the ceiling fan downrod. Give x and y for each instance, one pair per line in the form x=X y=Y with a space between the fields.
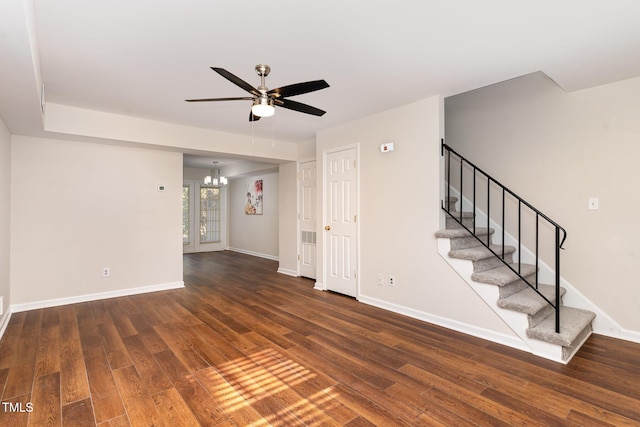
x=263 y=71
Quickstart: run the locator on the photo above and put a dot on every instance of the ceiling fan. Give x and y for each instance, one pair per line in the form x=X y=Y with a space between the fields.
x=265 y=100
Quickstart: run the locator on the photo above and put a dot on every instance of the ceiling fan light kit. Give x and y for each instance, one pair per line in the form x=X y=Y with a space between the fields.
x=263 y=107
x=264 y=100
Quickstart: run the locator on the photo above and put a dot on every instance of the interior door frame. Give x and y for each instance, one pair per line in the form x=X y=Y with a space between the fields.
x=194 y=207
x=323 y=215
x=299 y=219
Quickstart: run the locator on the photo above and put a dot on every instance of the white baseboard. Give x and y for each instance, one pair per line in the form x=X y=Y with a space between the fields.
x=447 y=323
x=258 y=254
x=629 y=335
x=288 y=272
x=16 y=308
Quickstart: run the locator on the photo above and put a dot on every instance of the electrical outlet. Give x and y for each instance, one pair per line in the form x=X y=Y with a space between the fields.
x=392 y=281
x=106 y=272
x=380 y=279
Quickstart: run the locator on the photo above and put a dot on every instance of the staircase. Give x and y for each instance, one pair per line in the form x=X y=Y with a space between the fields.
x=529 y=315
x=512 y=288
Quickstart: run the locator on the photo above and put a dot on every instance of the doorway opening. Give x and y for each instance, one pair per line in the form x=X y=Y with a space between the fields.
x=203 y=217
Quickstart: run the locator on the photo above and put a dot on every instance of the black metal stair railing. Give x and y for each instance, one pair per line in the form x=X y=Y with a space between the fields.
x=504 y=193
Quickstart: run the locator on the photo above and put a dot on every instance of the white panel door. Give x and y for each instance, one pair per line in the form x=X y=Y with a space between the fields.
x=308 y=219
x=340 y=214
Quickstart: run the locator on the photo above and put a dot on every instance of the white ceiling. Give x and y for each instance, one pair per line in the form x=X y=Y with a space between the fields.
x=144 y=57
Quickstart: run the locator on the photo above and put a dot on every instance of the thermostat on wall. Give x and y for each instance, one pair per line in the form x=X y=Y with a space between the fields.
x=386 y=147
x=161 y=187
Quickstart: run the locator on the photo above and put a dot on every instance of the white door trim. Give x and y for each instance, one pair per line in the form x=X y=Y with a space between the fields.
x=298 y=201
x=194 y=207
x=300 y=219
x=320 y=227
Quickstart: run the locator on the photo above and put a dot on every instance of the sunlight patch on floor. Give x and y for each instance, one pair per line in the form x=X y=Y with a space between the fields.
x=267 y=379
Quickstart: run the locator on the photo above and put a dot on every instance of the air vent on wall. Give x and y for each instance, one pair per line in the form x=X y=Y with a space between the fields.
x=309 y=237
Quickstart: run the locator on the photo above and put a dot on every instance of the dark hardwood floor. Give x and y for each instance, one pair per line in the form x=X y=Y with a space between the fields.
x=243 y=345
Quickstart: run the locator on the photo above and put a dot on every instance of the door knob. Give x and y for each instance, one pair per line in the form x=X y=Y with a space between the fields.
x=327 y=227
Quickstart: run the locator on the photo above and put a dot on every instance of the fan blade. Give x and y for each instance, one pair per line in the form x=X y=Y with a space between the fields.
x=220 y=99
x=236 y=80
x=299 y=106
x=253 y=118
x=298 y=88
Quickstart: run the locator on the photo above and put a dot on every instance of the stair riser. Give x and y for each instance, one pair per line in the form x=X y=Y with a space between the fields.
x=515 y=287
x=512 y=288
x=452 y=223
x=541 y=315
x=568 y=351
x=466 y=242
x=451 y=204
x=489 y=263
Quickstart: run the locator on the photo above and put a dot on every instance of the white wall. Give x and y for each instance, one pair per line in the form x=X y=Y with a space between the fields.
x=307 y=150
x=5 y=223
x=77 y=207
x=399 y=214
x=195 y=174
x=557 y=149
x=64 y=119
x=254 y=234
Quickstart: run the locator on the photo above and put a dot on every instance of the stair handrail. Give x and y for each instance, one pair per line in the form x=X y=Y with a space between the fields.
x=558 y=229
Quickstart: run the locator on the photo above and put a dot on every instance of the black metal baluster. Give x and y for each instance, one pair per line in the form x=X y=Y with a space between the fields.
x=557 y=280
x=537 y=255
x=461 y=168
x=474 y=200
x=503 y=223
x=519 y=236
x=488 y=209
x=448 y=181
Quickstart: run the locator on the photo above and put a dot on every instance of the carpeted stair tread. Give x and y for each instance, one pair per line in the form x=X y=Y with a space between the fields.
x=480 y=252
x=503 y=275
x=454 y=233
x=456 y=219
x=528 y=301
x=573 y=322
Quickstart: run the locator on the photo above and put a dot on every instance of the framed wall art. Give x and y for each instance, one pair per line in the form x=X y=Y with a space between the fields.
x=253 y=205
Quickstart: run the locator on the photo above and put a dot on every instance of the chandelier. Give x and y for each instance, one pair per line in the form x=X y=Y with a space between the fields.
x=215 y=179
